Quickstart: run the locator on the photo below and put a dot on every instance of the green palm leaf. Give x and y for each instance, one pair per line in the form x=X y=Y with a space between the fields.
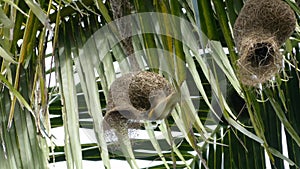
x=216 y=121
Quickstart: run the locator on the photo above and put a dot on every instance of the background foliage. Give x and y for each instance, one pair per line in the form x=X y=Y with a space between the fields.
x=222 y=124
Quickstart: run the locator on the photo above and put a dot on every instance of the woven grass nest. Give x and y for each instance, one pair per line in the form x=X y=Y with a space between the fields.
x=138 y=96
x=259 y=31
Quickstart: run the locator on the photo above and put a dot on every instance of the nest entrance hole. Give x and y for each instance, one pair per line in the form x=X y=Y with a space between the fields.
x=261 y=54
x=142 y=104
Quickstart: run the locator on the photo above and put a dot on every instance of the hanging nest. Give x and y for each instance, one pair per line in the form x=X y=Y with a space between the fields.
x=138 y=96
x=260 y=30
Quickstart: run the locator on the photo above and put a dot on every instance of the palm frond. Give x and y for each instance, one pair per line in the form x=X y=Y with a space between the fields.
x=217 y=122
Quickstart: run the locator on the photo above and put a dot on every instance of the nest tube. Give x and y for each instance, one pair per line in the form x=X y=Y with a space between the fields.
x=119 y=109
